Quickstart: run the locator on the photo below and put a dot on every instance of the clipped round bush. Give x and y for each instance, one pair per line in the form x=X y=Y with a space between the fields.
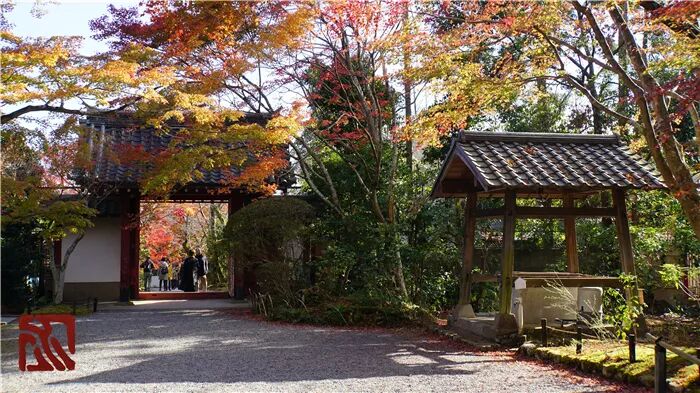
x=263 y=230
x=269 y=236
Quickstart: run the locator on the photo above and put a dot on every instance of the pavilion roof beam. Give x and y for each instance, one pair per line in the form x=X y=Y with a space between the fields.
x=548 y=212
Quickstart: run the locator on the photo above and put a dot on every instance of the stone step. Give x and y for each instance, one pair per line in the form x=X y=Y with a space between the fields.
x=482 y=328
x=182 y=295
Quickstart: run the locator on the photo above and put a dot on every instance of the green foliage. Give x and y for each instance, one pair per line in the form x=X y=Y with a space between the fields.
x=542 y=112
x=354 y=258
x=263 y=230
x=22 y=256
x=359 y=254
x=269 y=236
x=671 y=275
x=662 y=239
x=217 y=251
x=355 y=310
x=433 y=233
x=431 y=253
x=600 y=252
x=623 y=313
x=350 y=279
x=485 y=297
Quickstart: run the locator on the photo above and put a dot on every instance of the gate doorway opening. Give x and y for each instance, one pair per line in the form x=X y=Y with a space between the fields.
x=130 y=209
x=169 y=232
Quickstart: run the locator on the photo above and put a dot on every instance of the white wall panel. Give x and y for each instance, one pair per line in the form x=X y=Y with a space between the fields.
x=97 y=256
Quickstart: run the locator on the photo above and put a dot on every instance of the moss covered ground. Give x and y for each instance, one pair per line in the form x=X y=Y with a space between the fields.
x=612 y=360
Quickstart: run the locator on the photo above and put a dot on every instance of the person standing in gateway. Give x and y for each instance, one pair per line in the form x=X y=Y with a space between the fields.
x=148 y=268
x=164 y=284
x=202 y=270
x=174 y=275
x=187 y=271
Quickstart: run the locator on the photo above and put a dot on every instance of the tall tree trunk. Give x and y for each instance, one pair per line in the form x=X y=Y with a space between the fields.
x=654 y=118
x=393 y=241
x=408 y=111
x=391 y=226
x=401 y=281
x=622 y=90
x=597 y=114
x=59 y=277
x=659 y=134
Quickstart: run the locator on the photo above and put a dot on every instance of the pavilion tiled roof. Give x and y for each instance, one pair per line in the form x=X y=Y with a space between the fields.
x=537 y=161
x=112 y=137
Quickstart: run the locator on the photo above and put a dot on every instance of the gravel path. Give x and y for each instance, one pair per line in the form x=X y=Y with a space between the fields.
x=211 y=350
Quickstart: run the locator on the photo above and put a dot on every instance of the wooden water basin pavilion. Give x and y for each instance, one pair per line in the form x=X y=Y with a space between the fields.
x=513 y=166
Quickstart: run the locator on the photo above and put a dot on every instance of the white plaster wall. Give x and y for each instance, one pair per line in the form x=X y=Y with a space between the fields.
x=97 y=256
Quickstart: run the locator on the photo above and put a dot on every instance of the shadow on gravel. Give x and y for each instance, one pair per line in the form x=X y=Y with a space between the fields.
x=229 y=349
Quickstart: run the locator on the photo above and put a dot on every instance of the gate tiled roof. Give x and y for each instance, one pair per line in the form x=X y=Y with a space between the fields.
x=113 y=139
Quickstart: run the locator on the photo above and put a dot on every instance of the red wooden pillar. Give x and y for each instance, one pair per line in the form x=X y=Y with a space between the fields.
x=57 y=252
x=124 y=259
x=130 y=219
x=135 y=246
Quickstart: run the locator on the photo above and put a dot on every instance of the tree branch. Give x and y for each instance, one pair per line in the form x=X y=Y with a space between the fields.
x=39 y=108
x=607 y=52
x=316 y=190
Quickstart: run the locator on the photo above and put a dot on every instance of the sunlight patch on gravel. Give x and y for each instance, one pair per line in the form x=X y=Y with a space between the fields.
x=119 y=351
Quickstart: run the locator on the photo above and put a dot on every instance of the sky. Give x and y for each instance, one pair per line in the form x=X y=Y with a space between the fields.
x=65 y=18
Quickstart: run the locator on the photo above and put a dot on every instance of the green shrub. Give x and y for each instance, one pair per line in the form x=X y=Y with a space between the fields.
x=269 y=236
x=350 y=311
x=22 y=254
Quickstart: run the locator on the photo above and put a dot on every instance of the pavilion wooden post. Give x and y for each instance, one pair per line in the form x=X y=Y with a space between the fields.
x=505 y=321
x=464 y=308
x=570 y=236
x=508 y=262
x=623 y=231
x=625 y=240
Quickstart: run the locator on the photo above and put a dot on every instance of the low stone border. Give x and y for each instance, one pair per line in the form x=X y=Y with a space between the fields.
x=481 y=345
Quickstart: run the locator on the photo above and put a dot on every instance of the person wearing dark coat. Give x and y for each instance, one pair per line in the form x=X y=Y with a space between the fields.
x=202 y=270
x=187 y=273
x=148 y=268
